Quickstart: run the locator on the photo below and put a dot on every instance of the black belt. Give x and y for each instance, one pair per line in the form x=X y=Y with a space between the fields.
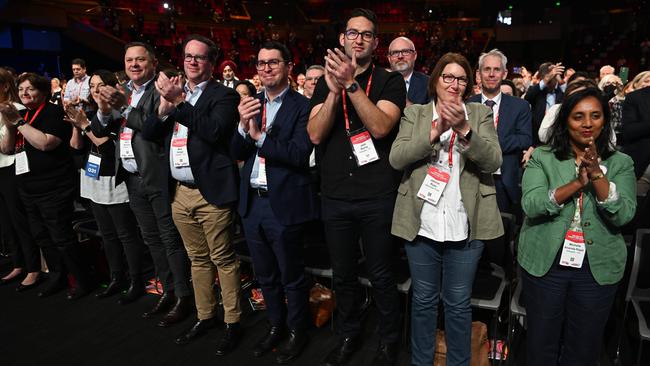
x=188 y=185
x=260 y=192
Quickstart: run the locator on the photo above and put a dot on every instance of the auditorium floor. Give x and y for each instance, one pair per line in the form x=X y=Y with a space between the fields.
x=54 y=331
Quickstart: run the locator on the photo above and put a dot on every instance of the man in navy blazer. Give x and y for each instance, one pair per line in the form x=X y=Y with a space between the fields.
x=512 y=119
x=402 y=56
x=196 y=121
x=276 y=197
x=545 y=94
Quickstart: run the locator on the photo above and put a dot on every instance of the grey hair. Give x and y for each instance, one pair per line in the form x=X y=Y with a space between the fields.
x=315 y=67
x=496 y=53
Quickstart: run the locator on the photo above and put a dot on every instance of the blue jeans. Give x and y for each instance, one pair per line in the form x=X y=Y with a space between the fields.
x=442 y=268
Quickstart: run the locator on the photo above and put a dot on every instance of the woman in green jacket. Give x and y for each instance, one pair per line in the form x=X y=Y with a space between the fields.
x=577 y=193
x=446 y=205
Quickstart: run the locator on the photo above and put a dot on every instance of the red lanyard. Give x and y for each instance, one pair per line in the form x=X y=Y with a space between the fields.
x=345 y=105
x=580 y=205
x=264 y=115
x=20 y=140
x=451 y=145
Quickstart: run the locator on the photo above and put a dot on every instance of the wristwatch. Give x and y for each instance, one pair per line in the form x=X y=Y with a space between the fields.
x=352 y=88
x=20 y=122
x=86 y=130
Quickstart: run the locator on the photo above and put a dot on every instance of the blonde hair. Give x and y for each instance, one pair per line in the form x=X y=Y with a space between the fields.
x=638 y=78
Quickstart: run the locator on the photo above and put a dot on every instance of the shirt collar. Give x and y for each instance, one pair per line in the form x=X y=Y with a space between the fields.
x=496 y=99
x=280 y=97
x=200 y=86
x=142 y=87
x=408 y=79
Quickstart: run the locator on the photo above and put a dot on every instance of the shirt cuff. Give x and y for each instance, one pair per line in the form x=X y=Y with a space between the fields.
x=242 y=132
x=541 y=85
x=551 y=197
x=612 y=196
x=260 y=142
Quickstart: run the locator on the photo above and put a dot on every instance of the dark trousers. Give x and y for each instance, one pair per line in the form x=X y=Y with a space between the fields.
x=25 y=252
x=152 y=210
x=120 y=236
x=504 y=201
x=344 y=222
x=50 y=222
x=277 y=254
x=565 y=305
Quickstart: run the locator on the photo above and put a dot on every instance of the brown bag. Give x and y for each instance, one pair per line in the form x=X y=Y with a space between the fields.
x=480 y=346
x=321 y=304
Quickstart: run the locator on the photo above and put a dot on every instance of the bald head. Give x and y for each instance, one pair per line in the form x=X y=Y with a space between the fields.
x=402 y=55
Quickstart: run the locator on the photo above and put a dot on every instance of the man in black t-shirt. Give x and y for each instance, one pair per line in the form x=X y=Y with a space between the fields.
x=354 y=116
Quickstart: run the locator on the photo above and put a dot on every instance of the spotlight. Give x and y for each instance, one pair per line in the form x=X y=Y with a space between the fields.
x=166 y=5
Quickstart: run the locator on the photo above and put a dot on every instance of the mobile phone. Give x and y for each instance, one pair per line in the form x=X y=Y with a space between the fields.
x=516 y=70
x=623 y=74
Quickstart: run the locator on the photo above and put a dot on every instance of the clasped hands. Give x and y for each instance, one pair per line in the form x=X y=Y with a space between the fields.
x=9 y=114
x=339 y=70
x=171 y=93
x=249 y=108
x=77 y=117
x=451 y=115
x=588 y=165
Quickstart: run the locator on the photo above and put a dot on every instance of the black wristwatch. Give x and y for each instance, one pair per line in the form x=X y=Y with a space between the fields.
x=86 y=130
x=352 y=88
x=20 y=122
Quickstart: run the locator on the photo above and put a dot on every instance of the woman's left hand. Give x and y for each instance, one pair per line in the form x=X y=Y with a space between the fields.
x=454 y=114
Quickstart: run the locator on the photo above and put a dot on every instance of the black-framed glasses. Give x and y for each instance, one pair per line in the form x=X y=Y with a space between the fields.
x=404 y=52
x=198 y=58
x=273 y=64
x=449 y=79
x=353 y=34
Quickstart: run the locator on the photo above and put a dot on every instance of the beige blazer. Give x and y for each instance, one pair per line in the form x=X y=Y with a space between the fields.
x=411 y=152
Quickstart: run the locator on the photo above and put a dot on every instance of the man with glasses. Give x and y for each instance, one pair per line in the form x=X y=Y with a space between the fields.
x=313 y=73
x=276 y=198
x=354 y=116
x=197 y=120
x=140 y=164
x=402 y=56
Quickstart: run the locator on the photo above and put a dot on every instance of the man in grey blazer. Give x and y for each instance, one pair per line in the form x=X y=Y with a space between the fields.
x=141 y=164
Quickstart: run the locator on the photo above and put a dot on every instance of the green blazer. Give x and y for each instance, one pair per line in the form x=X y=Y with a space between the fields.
x=411 y=152
x=545 y=225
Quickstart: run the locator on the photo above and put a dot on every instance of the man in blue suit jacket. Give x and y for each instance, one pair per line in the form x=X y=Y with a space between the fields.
x=276 y=197
x=512 y=119
x=196 y=122
x=402 y=56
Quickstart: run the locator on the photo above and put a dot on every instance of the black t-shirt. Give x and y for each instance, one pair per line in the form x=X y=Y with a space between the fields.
x=341 y=178
x=48 y=169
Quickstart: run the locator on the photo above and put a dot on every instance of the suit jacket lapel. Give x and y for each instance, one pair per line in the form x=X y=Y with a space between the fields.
x=207 y=93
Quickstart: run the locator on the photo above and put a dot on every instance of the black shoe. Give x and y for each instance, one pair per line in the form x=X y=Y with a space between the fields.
x=270 y=340
x=22 y=288
x=135 y=291
x=293 y=347
x=229 y=340
x=182 y=308
x=54 y=285
x=386 y=355
x=115 y=286
x=342 y=353
x=76 y=293
x=198 y=329
x=166 y=300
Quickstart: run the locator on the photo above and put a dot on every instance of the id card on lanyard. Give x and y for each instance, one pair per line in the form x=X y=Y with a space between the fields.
x=93 y=164
x=573 y=249
x=360 y=140
x=22 y=163
x=180 y=157
x=437 y=176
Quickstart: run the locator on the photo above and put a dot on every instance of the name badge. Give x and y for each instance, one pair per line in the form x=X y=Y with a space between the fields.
x=180 y=156
x=126 y=149
x=573 y=250
x=92 y=165
x=363 y=147
x=434 y=184
x=261 y=173
x=22 y=165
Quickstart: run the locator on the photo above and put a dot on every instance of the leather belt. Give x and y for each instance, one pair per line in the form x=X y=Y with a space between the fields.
x=188 y=185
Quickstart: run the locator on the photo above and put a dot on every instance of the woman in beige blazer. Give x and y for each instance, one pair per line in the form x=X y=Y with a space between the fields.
x=446 y=205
